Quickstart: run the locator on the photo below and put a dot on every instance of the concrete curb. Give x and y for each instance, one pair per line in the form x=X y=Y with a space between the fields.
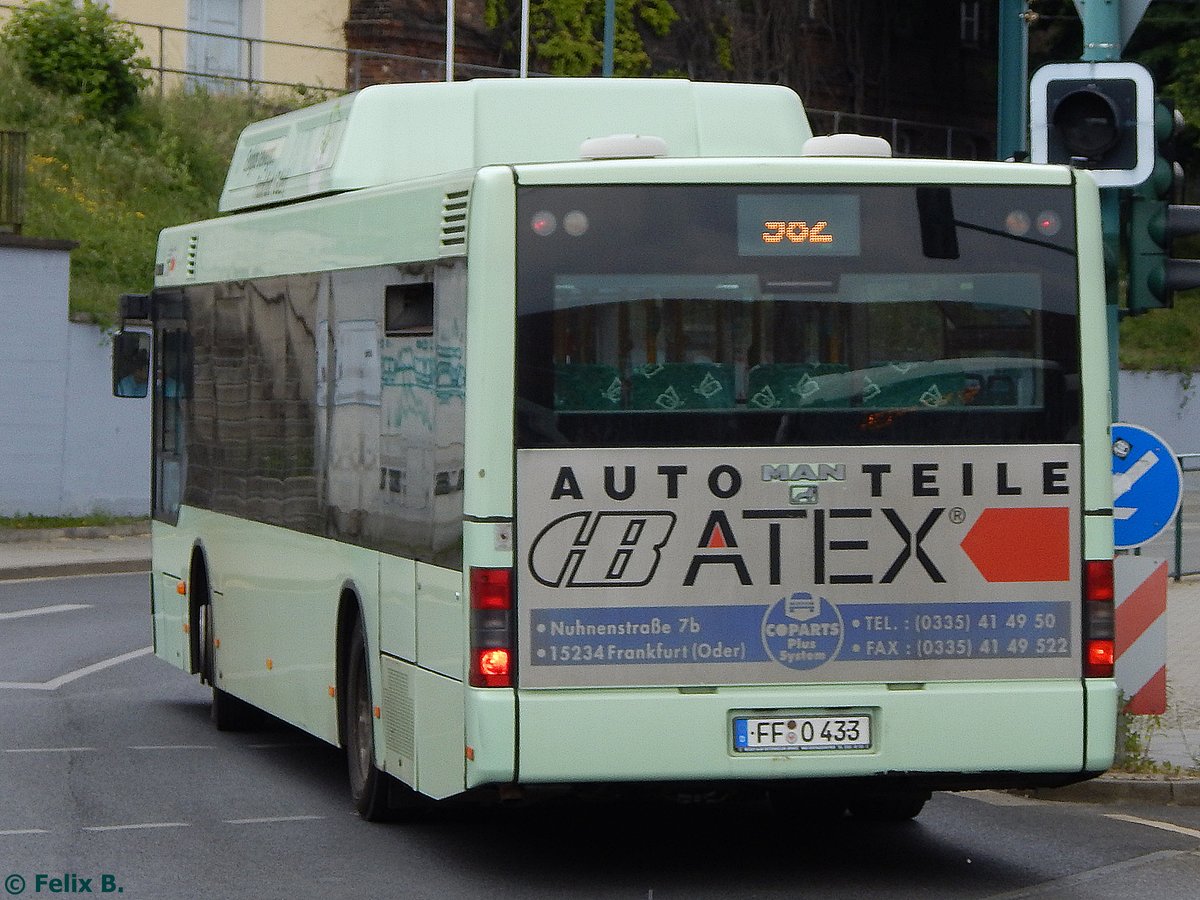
x=1117 y=789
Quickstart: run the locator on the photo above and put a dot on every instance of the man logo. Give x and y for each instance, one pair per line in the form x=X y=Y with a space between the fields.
x=600 y=549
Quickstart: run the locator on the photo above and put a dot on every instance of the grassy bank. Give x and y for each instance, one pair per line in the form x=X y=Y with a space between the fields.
x=112 y=187
x=34 y=523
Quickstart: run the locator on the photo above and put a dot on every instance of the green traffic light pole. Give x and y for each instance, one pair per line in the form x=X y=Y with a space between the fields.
x=610 y=32
x=1102 y=43
x=1012 y=107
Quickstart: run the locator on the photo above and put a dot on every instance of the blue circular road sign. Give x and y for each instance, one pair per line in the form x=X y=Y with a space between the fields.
x=1147 y=485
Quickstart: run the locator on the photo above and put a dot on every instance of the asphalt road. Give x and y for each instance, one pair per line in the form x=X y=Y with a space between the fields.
x=113 y=779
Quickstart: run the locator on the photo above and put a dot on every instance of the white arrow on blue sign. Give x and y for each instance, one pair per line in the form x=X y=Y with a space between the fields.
x=1147 y=485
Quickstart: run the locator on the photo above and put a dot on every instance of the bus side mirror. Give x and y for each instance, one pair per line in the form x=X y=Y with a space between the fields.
x=130 y=363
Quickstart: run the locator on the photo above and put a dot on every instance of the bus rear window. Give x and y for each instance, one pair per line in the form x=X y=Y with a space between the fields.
x=725 y=315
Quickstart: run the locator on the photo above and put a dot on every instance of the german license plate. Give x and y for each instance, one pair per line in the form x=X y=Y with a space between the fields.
x=766 y=733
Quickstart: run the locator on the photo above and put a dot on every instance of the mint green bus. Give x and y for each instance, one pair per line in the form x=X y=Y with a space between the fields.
x=546 y=434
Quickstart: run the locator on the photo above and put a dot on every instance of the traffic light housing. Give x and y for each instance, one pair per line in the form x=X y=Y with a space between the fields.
x=1097 y=116
x=1154 y=222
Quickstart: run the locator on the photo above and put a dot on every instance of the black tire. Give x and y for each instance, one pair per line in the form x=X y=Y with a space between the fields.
x=898 y=806
x=803 y=803
x=228 y=712
x=369 y=787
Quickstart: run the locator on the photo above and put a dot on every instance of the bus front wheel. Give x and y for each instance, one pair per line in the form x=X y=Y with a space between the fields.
x=228 y=712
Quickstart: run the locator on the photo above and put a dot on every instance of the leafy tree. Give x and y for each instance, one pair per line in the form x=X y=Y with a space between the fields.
x=79 y=52
x=1186 y=87
x=567 y=36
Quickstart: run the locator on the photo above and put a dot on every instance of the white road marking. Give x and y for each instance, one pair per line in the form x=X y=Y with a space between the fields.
x=999 y=798
x=174 y=747
x=44 y=610
x=1154 y=823
x=55 y=683
x=269 y=819
x=142 y=826
x=51 y=750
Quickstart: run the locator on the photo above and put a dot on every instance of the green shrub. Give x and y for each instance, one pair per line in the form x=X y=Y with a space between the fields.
x=77 y=52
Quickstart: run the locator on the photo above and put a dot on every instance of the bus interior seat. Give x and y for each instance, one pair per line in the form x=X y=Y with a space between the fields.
x=1001 y=391
x=795 y=385
x=587 y=386
x=672 y=386
x=913 y=385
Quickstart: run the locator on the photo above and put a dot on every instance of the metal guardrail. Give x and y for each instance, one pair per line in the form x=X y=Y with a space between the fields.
x=250 y=49
x=1180 y=544
x=1189 y=463
x=12 y=181
x=907 y=137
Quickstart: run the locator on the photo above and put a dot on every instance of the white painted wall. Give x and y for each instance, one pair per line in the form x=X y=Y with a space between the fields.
x=67 y=446
x=1165 y=402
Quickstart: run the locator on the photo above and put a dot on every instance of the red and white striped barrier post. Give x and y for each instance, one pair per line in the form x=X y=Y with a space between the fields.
x=1140 y=585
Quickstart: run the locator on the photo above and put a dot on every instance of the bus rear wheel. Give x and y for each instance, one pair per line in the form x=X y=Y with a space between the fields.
x=368 y=785
x=893 y=806
x=808 y=802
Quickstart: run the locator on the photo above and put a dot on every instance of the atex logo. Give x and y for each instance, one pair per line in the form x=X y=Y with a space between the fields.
x=600 y=549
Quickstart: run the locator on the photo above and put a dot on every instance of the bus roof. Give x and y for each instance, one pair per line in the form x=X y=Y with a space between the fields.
x=397 y=132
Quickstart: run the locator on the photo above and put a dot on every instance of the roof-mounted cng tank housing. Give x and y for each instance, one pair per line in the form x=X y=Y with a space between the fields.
x=847 y=145
x=389 y=133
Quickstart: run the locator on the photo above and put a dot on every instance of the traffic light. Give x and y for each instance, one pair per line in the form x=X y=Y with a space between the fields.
x=1154 y=222
x=1097 y=116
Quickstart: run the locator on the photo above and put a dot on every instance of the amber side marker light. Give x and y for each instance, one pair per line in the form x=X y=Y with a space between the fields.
x=1099 y=649
x=491 y=627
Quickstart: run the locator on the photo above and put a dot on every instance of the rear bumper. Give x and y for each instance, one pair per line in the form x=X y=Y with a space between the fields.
x=948 y=736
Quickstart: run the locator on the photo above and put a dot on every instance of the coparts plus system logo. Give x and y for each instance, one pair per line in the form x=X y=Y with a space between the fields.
x=802 y=631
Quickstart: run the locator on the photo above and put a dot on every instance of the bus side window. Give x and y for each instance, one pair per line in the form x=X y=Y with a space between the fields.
x=408 y=309
x=131 y=364
x=175 y=374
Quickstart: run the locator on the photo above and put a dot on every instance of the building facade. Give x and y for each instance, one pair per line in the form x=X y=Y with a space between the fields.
x=225 y=45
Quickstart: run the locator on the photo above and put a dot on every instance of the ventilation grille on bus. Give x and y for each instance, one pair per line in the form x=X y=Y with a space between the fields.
x=193 y=249
x=454 y=222
x=399 y=712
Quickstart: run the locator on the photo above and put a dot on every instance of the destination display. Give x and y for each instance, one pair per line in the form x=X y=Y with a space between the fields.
x=785 y=224
x=822 y=564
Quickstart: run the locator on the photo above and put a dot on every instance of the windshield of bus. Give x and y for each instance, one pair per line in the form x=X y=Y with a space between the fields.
x=730 y=315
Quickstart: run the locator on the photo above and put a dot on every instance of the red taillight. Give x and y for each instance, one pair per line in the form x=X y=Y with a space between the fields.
x=1101 y=658
x=491 y=628
x=492 y=668
x=1099 y=653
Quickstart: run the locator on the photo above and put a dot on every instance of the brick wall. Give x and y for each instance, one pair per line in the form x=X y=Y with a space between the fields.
x=415 y=30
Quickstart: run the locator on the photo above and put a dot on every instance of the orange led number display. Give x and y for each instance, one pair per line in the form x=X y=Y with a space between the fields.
x=797 y=233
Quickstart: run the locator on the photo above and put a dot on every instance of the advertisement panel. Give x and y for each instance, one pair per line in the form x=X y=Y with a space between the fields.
x=822 y=564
